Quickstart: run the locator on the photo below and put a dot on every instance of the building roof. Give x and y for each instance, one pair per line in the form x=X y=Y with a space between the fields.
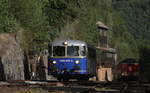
x=102 y=25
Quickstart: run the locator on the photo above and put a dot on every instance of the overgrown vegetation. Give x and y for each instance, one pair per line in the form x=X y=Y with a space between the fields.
x=7 y=20
x=46 y=20
x=136 y=15
x=145 y=62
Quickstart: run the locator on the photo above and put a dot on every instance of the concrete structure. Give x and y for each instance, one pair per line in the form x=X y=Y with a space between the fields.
x=104 y=74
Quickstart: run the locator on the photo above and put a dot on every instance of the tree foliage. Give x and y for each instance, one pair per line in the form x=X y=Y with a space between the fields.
x=7 y=20
x=122 y=40
x=136 y=15
x=30 y=17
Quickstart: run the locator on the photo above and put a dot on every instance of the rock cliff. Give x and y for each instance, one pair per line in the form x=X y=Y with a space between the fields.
x=11 y=57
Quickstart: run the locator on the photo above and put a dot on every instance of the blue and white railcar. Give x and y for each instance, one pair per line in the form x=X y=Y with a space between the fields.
x=71 y=59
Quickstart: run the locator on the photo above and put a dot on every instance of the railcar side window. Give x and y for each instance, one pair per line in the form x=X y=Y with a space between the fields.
x=73 y=51
x=58 y=51
x=83 y=51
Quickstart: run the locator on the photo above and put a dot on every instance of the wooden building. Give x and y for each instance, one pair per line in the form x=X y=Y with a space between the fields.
x=108 y=55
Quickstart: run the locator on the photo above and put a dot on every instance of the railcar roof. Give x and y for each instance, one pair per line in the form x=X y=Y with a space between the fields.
x=70 y=43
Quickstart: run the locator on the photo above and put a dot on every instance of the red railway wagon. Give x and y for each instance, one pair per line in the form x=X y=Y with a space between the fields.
x=128 y=69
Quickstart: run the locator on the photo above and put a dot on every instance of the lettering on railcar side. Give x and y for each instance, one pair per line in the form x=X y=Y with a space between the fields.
x=66 y=60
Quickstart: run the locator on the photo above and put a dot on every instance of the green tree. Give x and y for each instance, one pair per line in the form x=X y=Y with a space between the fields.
x=122 y=39
x=30 y=16
x=136 y=15
x=7 y=20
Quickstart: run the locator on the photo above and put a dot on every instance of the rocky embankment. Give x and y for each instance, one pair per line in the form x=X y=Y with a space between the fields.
x=11 y=57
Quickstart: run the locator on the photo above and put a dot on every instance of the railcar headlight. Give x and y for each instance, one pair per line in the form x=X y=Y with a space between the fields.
x=65 y=43
x=54 y=62
x=77 y=61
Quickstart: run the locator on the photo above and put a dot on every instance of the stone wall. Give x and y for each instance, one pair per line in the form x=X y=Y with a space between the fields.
x=11 y=57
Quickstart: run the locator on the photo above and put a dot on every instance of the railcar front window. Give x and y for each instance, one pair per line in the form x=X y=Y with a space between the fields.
x=58 y=51
x=72 y=51
x=83 y=51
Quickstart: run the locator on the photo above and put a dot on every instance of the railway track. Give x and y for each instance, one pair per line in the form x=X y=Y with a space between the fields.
x=82 y=86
